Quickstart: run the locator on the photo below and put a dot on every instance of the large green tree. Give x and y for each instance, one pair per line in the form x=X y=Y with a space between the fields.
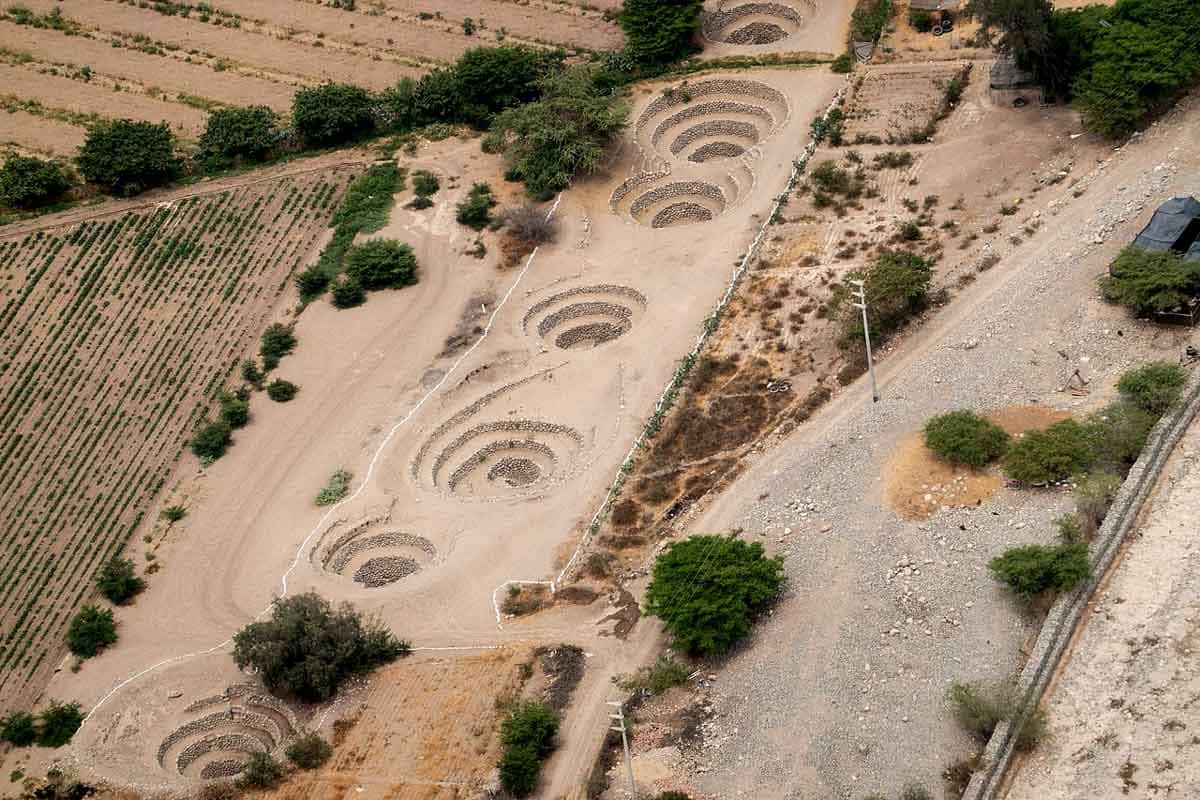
x=239 y=133
x=491 y=79
x=126 y=157
x=308 y=648
x=661 y=31
x=333 y=113
x=1023 y=26
x=708 y=589
x=565 y=132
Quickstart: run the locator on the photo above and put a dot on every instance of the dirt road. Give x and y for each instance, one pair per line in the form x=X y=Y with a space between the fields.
x=850 y=673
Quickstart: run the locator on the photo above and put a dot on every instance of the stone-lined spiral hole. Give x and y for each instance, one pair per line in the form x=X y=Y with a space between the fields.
x=687 y=117
x=752 y=23
x=372 y=557
x=218 y=744
x=586 y=316
x=662 y=204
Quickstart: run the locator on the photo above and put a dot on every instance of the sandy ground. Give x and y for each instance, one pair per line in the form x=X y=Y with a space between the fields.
x=40 y=135
x=56 y=92
x=1123 y=709
x=902 y=608
x=174 y=75
x=404 y=418
x=823 y=29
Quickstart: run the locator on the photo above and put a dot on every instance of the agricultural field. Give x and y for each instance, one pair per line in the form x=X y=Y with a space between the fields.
x=115 y=333
x=74 y=62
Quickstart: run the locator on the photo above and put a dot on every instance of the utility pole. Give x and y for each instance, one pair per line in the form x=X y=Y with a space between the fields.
x=620 y=726
x=861 y=293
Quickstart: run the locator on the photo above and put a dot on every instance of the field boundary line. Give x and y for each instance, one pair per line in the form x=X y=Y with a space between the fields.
x=1060 y=624
x=362 y=486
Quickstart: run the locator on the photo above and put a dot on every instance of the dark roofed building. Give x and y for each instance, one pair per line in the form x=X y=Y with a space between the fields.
x=1175 y=226
x=1009 y=84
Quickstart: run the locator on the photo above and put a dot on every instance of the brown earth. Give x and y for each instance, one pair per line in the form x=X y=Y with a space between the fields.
x=36 y=134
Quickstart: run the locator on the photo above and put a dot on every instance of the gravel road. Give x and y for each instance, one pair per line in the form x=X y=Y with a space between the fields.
x=841 y=693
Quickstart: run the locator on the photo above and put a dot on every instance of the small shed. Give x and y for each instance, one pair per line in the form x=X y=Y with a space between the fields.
x=1175 y=226
x=1012 y=85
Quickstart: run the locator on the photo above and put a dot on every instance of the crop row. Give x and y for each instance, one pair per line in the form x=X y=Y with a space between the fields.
x=114 y=337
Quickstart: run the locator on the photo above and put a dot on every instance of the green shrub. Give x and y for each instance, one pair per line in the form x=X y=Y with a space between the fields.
x=335 y=489
x=708 y=589
x=1033 y=569
x=492 y=79
x=309 y=751
x=666 y=673
x=419 y=203
x=843 y=63
x=125 y=157
x=348 y=293
x=308 y=648
x=519 y=770
x=92 y=629
x=211 y=441
x=475 y=210
x=915 y=791
x=117 y=580
x=239 y=133
x=532 y=724
x=964 y=437
x=27 y=182
x=312 y=282
x=1070 y=530
x=18 y=729
x=281 y=391
x=425 y=183
x=1117 y=434
x=869 y=19
x=562 y=134
x=174 y=513
x=262 y=771
x=920 y=19
x=1094 y=495
x=277 y=341
x=332 y=113
x=57 y=723
x=251 y=374
x=660 y=31
x=235 y=411
x=896 y=287
x=382 y=264
x=1054 y=454
x=1149 y=282
x=1153 y=387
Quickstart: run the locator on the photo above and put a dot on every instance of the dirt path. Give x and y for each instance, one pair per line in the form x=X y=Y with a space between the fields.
x=1122 y=710
x=883 y=614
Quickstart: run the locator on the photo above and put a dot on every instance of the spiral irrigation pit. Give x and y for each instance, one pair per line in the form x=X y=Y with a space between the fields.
x=586 y=315
x=500 y=459
x=752 y=23
x=371 y=557
x=688 y=117
x=217 y=744
x=654 y=199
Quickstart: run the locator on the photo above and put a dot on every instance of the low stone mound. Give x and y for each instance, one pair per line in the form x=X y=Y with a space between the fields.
x=372 y=557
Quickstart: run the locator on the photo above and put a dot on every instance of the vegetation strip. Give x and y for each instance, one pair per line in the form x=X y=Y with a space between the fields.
x=1059 y=626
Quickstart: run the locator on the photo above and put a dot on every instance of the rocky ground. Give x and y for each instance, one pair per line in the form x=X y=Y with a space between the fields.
x=842 y=692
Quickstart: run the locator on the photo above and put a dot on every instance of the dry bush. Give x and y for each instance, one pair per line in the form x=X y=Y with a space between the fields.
x=531 y=224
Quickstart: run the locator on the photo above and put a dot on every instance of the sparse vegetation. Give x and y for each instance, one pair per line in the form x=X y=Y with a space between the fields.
x=309 y=751
x=980 y=711
x=308 y=648
x=282 y=391
x=964 y=437
x=277 y=341
x=261 y=771
x=1154 y=387
x=425 y=183
x=118 y=582
x=528 y=737
x=666 y=673
x=92 y=629
x=475 y=210
x=1050 y=455
x=708 y=589
x=335 y=489
x=1034 y=569
x=896 y=287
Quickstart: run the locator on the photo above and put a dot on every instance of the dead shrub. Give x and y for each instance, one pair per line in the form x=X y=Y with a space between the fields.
x=530 y=224
x=626 y=513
